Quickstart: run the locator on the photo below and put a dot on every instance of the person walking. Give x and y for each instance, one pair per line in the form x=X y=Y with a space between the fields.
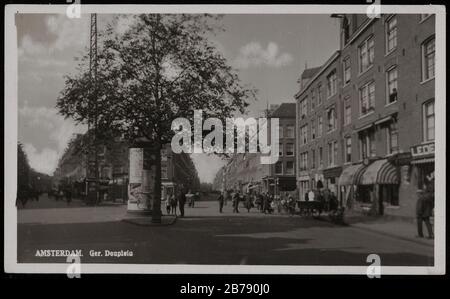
x=236 y=198
x=424 y=210
x=221 y=201
x=68 y=196
x=173 y=204
x=248 y=202
x=181 y=203
x=169 y=199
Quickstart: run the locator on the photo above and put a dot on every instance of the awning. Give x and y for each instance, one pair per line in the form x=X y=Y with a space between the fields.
x=380 y=172
x=423 y=160
x=351 y=175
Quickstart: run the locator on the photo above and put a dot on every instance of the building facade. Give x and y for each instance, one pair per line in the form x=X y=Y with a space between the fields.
x=244 y=172
x=384 y=110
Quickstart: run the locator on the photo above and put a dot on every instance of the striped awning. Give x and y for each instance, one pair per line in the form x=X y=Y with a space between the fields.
x=380 y=172
x=351 y=175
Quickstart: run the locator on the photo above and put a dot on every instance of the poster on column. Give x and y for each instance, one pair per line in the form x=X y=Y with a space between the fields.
x=137 y=199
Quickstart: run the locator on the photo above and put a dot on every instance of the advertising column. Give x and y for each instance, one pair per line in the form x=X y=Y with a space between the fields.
x=141 y=178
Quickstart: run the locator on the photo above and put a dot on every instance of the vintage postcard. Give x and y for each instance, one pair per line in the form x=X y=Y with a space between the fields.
x=269 y=139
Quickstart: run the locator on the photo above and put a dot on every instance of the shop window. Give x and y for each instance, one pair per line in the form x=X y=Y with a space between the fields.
x=389 y=195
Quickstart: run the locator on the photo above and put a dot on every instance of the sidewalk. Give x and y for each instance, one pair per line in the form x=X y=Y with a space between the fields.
x=389 y=226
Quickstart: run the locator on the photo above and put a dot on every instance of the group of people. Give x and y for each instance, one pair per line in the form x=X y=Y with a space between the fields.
x=178 y=199
x=268 y=203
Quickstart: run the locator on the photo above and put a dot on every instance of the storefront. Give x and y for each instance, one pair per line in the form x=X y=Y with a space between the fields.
x=423 y=165
x=303 y=186
x=331 y=176
x=348 y=184
x=379 y=187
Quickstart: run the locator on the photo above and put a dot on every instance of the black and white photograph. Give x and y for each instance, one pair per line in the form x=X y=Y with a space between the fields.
x=287 y=139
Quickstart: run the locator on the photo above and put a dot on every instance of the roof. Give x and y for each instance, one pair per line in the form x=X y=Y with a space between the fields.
x=308 y=73
x=285 y=110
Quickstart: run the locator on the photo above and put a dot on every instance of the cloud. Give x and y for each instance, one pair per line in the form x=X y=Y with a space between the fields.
x=254 y=55
x=44 y=161
x=69 y=32
x=55 y=130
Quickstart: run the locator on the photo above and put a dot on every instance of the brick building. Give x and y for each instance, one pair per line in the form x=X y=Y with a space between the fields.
x=384 y=110
x=318 y=155
x=245 y=172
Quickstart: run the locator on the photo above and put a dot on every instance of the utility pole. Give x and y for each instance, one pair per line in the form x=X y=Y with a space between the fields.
x=93 y=122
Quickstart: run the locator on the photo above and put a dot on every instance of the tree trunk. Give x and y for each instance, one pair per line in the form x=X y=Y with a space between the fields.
x=156 y=206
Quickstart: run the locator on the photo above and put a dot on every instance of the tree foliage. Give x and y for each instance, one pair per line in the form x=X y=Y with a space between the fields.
x=154 y=69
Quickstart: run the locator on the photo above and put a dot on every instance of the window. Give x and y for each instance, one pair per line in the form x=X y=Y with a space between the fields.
x=290 y=132
x=280 y=132
x=347 y=70
x=331 y=83
x=348 y=149
x=280 y=150
x=367 y=98
x=313 y=129
x=319 y=95
x=391 y=78
x=428 y=121
x=319 y=126
x=313 y=159
x=303 y=107
x=347 y=112
x=313 y=100
x=392 y=138
x=279 y=167
x=290 y=167
x=320 y=157
x=366 y=54
x=331 y=118
x=332 y=153
x=367 y=144
x=428 y=59
x=304 y=161
x=304 y=135
x=391 y=34
x=290 y=149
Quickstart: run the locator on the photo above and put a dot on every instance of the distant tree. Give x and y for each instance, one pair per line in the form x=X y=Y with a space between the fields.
x=160 y=68
x=23 y=167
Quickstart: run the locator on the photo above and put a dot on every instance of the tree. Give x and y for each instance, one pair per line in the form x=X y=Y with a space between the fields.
x=159 y=68
x=23 y=168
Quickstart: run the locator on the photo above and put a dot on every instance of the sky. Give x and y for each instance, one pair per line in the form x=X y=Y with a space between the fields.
x=269 y=52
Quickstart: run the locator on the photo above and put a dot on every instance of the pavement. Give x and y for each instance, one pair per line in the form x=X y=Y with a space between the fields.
x=205 y=236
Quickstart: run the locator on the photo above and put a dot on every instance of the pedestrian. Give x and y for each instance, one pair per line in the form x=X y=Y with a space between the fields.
x=168 y=201
x=181 y=203
x=68 y=196
x=424 y=210
x=236 y=198
x=173 y=204
x=248 y=202
x=311 y=195
x=221 y=201
x=291 y=204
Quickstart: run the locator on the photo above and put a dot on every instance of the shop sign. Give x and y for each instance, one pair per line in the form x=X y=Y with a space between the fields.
x=422 y=149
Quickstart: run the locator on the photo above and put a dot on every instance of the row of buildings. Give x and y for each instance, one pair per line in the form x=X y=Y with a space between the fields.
x=364 y=122
x=114 y=168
